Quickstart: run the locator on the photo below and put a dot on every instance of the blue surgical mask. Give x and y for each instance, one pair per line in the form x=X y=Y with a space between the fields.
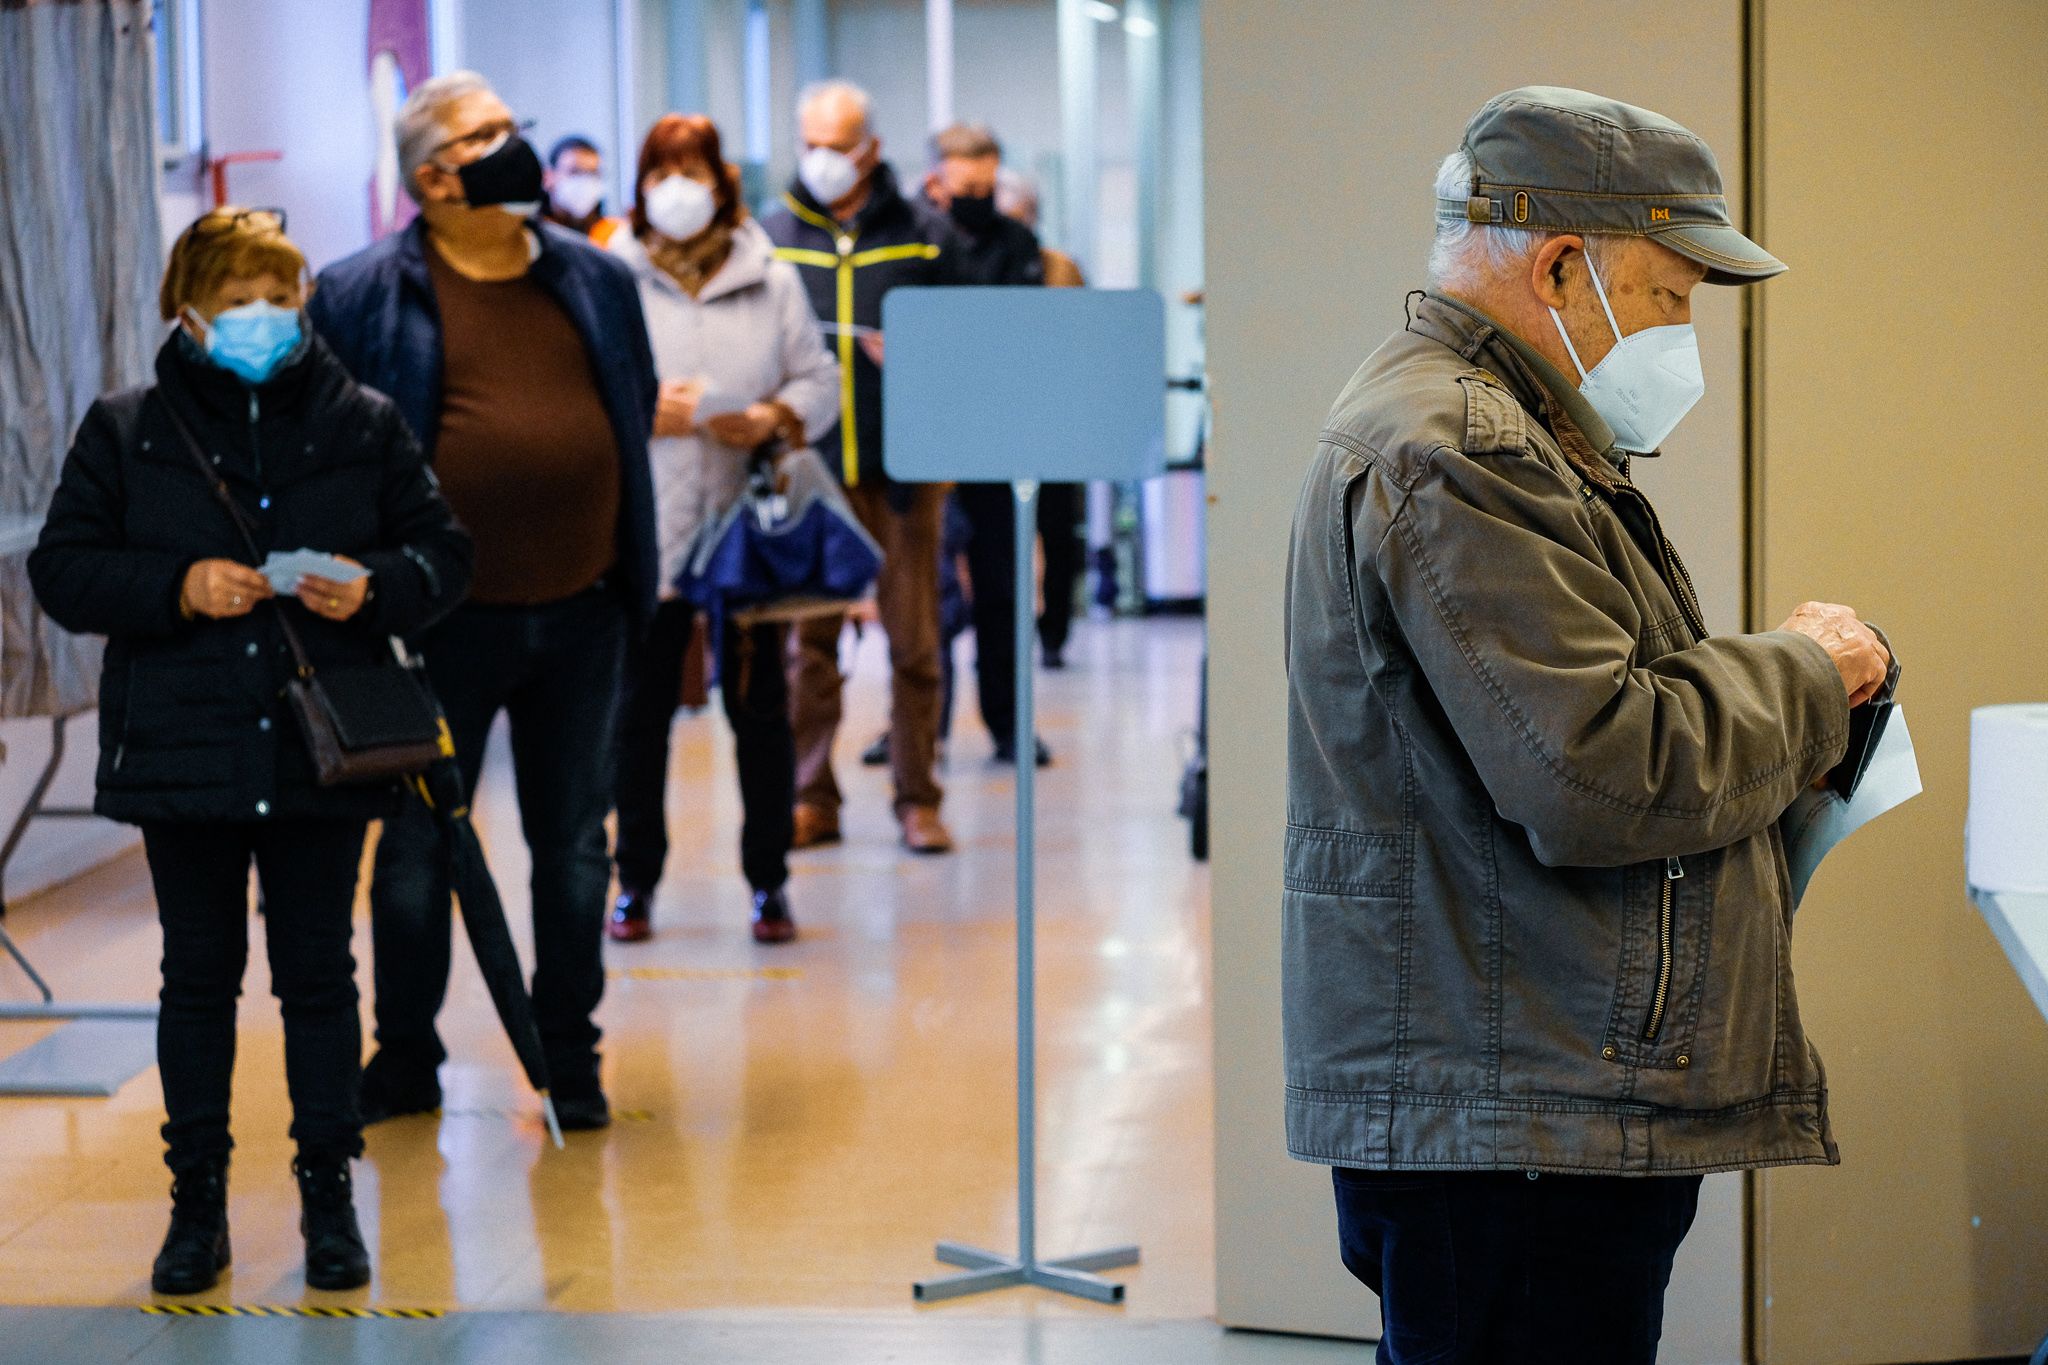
x=252 y=340
x=1646 y=384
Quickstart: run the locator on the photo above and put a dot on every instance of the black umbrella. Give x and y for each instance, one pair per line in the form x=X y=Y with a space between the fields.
x=483 y=917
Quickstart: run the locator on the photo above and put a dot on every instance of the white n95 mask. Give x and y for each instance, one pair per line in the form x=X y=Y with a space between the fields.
x=679 y=208
x=1644 y=386
x=829 y=174
x=578 y=193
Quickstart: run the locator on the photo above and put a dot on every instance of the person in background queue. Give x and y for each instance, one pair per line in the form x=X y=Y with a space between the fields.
x=728 y=321
x=853 y=237
x=518 y=352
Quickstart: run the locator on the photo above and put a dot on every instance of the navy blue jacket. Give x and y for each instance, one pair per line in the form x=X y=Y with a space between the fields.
x=376 y=309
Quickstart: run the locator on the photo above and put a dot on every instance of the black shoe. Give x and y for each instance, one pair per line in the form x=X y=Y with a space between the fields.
x=335 y=1255
x=631 y=920
x=580 y=1105
x=195 y=1250
x=392 y=1090
x=876 y=755
x=772 y=923
x=1006 y=752
x=1055 y=660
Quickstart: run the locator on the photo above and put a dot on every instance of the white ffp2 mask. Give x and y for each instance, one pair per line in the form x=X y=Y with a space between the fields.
x=829 y=174
x=1644 y=386
x=679 y=208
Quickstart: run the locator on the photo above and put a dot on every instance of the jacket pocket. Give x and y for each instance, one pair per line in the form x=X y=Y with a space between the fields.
x=1667 y=932
x=1341 y=862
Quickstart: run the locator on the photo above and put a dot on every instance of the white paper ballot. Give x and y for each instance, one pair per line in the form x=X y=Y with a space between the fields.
x=713 y=403
x=1819 y=820
x=285 y=568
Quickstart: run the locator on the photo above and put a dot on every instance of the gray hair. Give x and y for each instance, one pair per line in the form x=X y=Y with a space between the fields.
x=419 y=129
x=1465 y=255
x=968 y=141
x=817 y=93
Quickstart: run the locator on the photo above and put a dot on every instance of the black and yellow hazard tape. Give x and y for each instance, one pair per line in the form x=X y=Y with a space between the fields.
x=706 y=973
x=288 y=1310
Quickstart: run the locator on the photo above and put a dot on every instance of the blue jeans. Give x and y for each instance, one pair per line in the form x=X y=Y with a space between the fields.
x=555 y=670
x=1496 y=1268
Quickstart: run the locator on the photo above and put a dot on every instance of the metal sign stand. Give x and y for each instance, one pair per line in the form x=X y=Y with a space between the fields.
x=986 y=1270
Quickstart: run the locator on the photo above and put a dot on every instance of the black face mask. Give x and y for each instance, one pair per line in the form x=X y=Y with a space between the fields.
x=975 y=213
x=509 y=175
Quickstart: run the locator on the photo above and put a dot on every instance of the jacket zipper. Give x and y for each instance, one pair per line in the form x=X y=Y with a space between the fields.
x=1673 y=871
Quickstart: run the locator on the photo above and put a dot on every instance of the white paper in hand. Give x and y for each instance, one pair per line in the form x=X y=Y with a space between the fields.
x=284 y=569
x=1819 y=820
x=715 y=403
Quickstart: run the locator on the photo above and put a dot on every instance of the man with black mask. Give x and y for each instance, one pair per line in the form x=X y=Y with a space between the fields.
x=996 y=250
x=517 y=353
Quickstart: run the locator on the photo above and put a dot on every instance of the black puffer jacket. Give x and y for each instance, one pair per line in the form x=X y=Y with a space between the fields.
x=194 y=725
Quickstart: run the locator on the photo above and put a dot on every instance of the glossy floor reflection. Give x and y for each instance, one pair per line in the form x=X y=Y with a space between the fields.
x=797 y=1126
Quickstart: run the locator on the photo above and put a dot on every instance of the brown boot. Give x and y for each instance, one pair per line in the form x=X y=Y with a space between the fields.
x=814 y=826
x=924 y=832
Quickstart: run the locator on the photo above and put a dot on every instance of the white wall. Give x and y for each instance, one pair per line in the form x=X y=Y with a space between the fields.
x=1325 y=121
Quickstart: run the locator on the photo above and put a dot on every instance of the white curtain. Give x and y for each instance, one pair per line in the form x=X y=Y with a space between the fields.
x=81 y=251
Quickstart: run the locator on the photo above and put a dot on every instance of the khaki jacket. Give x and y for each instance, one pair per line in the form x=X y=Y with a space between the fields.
x=1536 y=912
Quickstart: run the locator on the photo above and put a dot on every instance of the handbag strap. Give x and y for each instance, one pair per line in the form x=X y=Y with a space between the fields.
x=241 y=521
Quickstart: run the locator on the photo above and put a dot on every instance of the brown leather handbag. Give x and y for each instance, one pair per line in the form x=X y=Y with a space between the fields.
x=362 y=723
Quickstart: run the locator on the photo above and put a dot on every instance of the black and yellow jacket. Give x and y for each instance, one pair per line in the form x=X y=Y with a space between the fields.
x=891 y=242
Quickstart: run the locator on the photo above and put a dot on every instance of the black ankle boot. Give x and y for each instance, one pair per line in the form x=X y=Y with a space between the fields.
x=196 y=1248
x=335 y=1255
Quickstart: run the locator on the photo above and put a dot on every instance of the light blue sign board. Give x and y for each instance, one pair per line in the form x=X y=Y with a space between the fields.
x=996 y=385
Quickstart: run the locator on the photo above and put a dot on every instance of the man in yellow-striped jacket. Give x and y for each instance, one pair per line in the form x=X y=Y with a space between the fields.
x=854 y=236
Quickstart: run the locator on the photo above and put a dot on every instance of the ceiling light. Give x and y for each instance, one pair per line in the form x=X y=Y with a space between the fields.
x=1140 y=27
x=1102 y=12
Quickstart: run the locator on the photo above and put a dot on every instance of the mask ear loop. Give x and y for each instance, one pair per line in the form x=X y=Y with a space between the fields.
x=1558 y=322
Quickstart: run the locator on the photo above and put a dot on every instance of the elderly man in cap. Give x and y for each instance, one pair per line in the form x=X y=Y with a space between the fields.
x=1536 y=912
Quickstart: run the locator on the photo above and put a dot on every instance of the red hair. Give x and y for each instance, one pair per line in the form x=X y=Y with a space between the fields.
x=674 y=142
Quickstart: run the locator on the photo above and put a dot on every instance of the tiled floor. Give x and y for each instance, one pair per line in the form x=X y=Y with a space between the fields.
x=798 y=1125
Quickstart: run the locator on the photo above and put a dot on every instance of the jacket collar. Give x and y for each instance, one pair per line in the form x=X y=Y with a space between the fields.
x=1536 y=384
x=747 y=265
x=204 y=390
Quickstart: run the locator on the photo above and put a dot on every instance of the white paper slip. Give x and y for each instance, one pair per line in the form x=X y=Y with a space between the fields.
x=284 y=569
x=1819 y=820
x=714 y=403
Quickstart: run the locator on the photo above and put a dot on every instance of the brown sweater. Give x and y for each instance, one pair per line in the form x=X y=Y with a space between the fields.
x=525 y=451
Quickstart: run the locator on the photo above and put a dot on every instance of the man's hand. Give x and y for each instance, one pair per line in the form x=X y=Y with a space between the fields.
x=335 y=601
x=221 y=588
x=675 y=410
x=872 y=345
x=1858 y=655
x=745 y=430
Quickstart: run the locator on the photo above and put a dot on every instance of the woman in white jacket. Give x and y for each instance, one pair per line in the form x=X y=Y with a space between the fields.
x=733 y=335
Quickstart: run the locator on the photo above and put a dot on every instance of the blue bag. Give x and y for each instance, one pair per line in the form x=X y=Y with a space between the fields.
x=790 y=547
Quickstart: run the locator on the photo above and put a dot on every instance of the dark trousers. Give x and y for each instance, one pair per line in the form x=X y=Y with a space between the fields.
x=991 y=510
x=555 y=670
x=1494 y=1268
x=754 y=687
x=307 y=871
x=1060 y=509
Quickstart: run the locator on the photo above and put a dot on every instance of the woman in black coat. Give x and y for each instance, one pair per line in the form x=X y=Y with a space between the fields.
x=198 y=744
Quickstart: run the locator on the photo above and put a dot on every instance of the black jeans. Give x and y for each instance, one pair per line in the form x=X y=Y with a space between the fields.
x=1060 y=508
x=307 y=870
x=555 y=670
x=1496 y=1268
x=991 y=510
x=755 y=690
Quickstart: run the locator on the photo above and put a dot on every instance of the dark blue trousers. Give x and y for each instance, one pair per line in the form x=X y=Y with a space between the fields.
x=1497 y=1268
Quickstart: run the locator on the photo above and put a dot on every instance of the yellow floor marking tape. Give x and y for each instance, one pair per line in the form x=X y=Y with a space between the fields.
x=706 y=974
x=287 y=1310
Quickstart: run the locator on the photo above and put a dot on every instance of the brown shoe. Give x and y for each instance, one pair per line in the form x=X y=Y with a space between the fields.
x=924 y=832
x=814 y=826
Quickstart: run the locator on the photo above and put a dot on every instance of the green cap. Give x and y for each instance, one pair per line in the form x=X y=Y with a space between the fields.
x=1551 y=159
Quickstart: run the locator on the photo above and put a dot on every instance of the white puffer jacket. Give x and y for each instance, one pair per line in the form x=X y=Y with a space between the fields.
x=749 y=333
